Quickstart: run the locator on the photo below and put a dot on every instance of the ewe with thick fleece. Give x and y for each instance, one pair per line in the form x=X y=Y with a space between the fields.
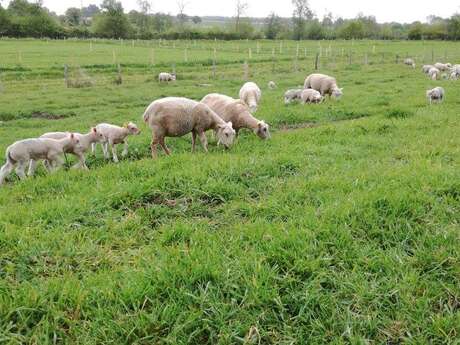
x=311 y=96
x=235 y=111
x=442 y=66
x=325 y=84
x=436 y=94
x=177 y=116
x=292 y=95
x=409 y=62
x=250 y=94
x=271 y=85
x=24 y=151
x=426 y=68
x=86 y=140
x=114 y=135
x=434 y=73
x=165 y=77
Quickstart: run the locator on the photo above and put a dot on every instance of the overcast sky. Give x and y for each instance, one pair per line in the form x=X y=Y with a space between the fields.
x=384 y=10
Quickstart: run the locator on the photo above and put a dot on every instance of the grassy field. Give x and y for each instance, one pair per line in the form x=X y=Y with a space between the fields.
x=343 y=228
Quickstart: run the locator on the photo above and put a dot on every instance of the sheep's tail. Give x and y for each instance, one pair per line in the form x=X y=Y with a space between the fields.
x=9 y=158
x=146 y=116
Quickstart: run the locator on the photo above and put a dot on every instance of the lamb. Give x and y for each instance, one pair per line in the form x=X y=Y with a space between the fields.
x=114 y=135
x=325 y=84
x=166 y=77
x=442 y=66
x=426 y=68
x=436 y=94
x=311 y=96
x=271 y=85
x=86 y=140
x=409 y=62
x=454 y=75
x=434 y=73
x=235 y=111
x=251 y=95
x=292 y=95
x=177 y=116
x=24 y=151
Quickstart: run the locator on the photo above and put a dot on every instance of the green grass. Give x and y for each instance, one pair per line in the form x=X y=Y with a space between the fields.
x=343 y=228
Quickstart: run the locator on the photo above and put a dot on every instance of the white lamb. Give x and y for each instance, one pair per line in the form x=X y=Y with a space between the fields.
x=325 y=84
x=442 y=66
x=166 y=77
x=271 y=85
x=426 y=68
x=409 y=62
x=22 y=152
x=436 y=94
x=250 y=94
x=292 y=95
x=434 y=73
x=114 y=135
x=311 y=96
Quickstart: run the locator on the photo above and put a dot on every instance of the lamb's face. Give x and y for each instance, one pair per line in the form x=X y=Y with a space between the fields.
x=75 y=142
x=98 y=136
x=337 y=93
x=262 y=130
x=226 y=134
x=132 y=128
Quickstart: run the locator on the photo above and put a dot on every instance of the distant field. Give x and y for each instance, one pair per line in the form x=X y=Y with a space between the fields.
x=343 y=228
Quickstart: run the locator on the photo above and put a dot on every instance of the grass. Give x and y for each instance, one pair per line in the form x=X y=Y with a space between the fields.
x=343 y=228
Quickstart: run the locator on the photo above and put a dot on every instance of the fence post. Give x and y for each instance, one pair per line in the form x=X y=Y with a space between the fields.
x=366 y=61
x=432 y=55
x=174 y=68
x=214 y=68
x=119 y=79
x=246 y=70
x=397 y=59
x=316 y=61
x=349 y=58
x=185 y=55
x=66 y=76
x=114 y=57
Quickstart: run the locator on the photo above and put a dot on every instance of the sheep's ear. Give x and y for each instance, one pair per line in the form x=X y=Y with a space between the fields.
x=72 y=136
x=125 y=124
x=94 y=129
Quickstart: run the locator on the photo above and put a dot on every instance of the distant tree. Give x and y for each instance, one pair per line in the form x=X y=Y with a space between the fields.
x=144 y=6
x=90 y=11
x=453 y=27
x=181 y=16
x=302 y=13
x=241 y=8
x=4 y=21
x=416 y=31
x=196 y=20
x=112 y=22
x=73 y=16
x=161 y=22
x=353 y=29
x=314 y=30
x=272 y=26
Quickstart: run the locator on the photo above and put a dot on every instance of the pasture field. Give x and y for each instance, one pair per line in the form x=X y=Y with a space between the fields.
x=343 y=228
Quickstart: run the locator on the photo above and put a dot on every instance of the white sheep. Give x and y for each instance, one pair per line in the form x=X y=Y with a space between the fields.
x=325 y=84
x=442 y=66
x=410 y=62
x=271 y=85
x=250 y=94
x=434 y=73
x=454 y=75
x=235 y=111
x=292 y=95
x=311 y=96
x=166 y=77
x=28 y=151
x=436 y=94
x=177 y=116
x=86 y=140
x=114 y=135
x=426 y=68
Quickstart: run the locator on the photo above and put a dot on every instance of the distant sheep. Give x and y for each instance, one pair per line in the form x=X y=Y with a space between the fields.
x=166 y=77
x=325 y=84
x=292 y=95
x=434 y=73
x=235 y=111
x=409 y=62
x=311 y=96
x=426 y=68
x=437 y=94
x=271 y=85
x=177 y=116
x=442 y=66
x=250 y=94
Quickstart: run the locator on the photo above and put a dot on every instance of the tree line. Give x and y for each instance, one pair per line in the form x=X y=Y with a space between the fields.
x=109 y=20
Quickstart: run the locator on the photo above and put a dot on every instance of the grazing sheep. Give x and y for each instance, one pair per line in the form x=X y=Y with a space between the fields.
x=454 y=75
x=442 y=66
x=311 y=96
x=166 y=77
x=177 y=116
x=426 y=68
x=237 y=112
x=86 y=140
x=251 y=95
x=292 y=95
x=325 y=84
x=271 y=85
x=434 y=73
x=436 y=94
x=114 y=135
x=409 y=62
x=26 y=151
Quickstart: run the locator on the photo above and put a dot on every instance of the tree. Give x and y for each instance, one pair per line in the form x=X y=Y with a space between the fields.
x=181 y=16
x=302 y=13
x=196 y=20
x=90 y=11
x=241 y=8
x=272 y=26
x=416 y=31
x=73 y=16
x=353 y=29
x=112 y=22
x=453 y=27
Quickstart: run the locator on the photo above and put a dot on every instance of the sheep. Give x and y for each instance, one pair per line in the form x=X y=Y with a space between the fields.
x=86 y=140
x=292 y=95
x=442 y=66
x=166 y=77
x=454 y=75
x=114 y=135
x=324 y=84
x=434 y=73
x=235 y=111
x=271 y=85
x=426 y=68
x=251 y=95
x=436 y=94
x=177 y=116
x=27 y=151
x=311 y=96
x=409 y=62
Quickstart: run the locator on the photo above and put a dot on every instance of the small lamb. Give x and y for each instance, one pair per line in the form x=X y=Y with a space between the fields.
x=409 y=62
x=26 y=151
x=114 y=135
x=311 y=96
x=436 y=94
x=235 y=111
x=442 y=66
x=166 y=77
x=271 y=85
x=177 y=116
x=426 y=68
x=325 y=84
x=434 y=73
x=292 y=95
x=250 y=94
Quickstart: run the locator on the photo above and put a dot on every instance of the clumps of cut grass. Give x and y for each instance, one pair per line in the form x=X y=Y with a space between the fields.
x=78 y=79
x=36 y=114
x=399 y=113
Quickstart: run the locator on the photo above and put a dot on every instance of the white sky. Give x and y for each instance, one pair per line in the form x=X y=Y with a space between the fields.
x=403 y=11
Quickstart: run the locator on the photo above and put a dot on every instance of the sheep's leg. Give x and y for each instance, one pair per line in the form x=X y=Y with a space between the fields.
x=125 y=149
x=6 y=169
x=114 y=151
x=204 y=141
x=193 y=141
x=81 y=161
x=153 y=147
x=93 y=148
x=20 y=169
x=32 y=167
x=57 y=163
x=105 y=149
x=163 y=145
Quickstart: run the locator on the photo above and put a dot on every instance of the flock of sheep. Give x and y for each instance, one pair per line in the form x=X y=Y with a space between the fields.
x=178 y=116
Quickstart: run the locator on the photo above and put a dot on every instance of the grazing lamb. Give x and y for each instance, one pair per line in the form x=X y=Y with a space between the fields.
x=271 y=85
x=325 y=84
x=114 y=135
x=409 y=62
x=166 y=77
x=251 y=95
x=292 y=95
x=86 y=140
x=426 y=68
x=436 y=94
x=442 y=66
x=177 y=116
x=311 y=96
x=454 y=75
x=22 y=152
x=434 y=73
x=235 y=111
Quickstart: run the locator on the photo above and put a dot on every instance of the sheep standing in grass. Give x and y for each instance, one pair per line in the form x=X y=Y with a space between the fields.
x=436 y=94
x=325 y=84
x=292 y=95
x=164 y=77
x=311 y=96
x=86 y=140
x=21 y=153
x=442 y=66
x=409 y=62
x=271 y=85
x=114 y=135
x=177 y=116
x=235 y=111
x=250 y=94
x=426 y=68
x=434 y=73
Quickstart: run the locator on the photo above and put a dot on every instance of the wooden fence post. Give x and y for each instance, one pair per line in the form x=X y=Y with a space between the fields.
x=66 y=76
x=246 y=70
x=316 y=61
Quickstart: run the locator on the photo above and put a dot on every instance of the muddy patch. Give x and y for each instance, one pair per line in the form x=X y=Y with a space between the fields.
x=50 y=116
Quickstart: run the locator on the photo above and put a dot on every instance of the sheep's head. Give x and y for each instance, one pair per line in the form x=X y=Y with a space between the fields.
x=429 y=93
x=75 y=141
x=262 y=130
x=98 y=136
x=337 y=93
x=173 y=77
x=132 y=128
x=225 y=134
